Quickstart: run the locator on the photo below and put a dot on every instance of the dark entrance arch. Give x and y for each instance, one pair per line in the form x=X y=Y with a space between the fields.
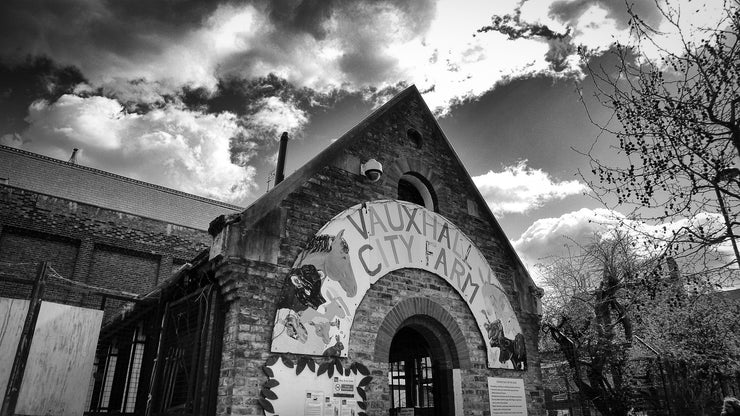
x=414 y=376
x=422 y=345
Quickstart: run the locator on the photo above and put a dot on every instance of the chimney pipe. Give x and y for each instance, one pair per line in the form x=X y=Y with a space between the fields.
x=280 y=172
x=73 y=158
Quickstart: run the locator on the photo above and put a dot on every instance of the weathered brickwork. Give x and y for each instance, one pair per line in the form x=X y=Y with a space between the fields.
x=25 y=249
x=247 y=335
x=252 y=287
x=89 y=244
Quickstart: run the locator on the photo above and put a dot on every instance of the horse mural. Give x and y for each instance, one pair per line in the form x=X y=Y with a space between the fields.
x=509 y=350
x=304 y=297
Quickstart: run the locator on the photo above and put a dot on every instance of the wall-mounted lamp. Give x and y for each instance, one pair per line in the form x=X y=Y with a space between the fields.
x=372 y=170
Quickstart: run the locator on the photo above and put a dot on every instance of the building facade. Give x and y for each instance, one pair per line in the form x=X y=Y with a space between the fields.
x=407 y=279
x=102 y=231
x=373 y=280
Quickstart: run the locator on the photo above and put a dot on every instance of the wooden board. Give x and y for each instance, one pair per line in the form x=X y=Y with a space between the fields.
x=60 y=361
x=12 y=314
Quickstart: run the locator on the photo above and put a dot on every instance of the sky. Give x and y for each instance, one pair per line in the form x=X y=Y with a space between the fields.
x=193 y=95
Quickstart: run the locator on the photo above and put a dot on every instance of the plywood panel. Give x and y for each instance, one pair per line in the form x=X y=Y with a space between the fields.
x=12 y=314
x=60 y=361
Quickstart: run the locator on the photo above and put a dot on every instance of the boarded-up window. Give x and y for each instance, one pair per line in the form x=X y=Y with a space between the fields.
x=60 y=360
x=20 y=250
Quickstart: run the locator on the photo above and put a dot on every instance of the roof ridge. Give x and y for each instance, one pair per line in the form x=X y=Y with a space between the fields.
x=120 y=177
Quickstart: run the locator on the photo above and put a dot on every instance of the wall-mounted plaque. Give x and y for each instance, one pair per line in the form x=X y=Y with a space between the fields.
x=506 y=396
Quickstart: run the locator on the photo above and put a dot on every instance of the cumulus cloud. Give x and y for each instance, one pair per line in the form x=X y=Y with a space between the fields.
x=322 y=45
x=519 y=188
x=265 y=121
x=169 y=146
x=143 y=60
x=549 y=238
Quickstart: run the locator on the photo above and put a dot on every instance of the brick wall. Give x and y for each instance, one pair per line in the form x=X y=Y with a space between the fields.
x=89 y=244
x=103 y=189
x=254 y=286
x=25 y=249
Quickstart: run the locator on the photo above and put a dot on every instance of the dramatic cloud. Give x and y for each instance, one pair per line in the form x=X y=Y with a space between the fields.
x=28 y=81
x=266 y=66
x=518 y=188
x=171 y=146
x=548 y=237
x=268 y=118
x=319 y=45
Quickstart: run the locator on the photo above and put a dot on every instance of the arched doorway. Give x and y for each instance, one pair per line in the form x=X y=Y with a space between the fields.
x=420 y=369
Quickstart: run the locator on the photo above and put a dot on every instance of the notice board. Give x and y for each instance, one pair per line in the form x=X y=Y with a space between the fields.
x=507 y=397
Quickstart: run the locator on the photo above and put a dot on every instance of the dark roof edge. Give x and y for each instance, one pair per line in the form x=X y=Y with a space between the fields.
x=268 y=201
x=122 y=178
x=2 y=185
x=147 y=300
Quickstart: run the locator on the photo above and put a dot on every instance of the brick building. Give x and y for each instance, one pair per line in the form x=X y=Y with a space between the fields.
x=403 y=313
x=342 y=291
x=96 y=227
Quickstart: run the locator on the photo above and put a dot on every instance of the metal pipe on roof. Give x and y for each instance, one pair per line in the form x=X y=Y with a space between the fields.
x=280 y=172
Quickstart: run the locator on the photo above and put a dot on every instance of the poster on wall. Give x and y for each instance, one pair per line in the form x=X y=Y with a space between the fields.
x=314 y=389
x=330 y=277
x=506 y=396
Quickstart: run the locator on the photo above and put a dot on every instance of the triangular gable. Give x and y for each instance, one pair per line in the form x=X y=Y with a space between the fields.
x=272 y=199
x=255 y=212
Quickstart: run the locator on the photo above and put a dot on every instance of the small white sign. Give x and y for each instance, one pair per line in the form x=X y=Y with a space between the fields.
x=344 y=387
x=507 y=397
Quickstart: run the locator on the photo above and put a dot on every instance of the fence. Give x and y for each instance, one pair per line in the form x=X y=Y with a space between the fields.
x=48 y=347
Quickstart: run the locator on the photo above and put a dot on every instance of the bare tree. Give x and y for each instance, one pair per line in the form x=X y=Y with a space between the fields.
x=590 y=321
x=611 y=308
x=677 y=127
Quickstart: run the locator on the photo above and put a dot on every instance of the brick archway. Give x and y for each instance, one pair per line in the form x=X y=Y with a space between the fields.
x=433 y=322
x=404 y=165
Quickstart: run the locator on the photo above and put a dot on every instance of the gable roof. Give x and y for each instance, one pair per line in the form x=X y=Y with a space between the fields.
x=259 y=208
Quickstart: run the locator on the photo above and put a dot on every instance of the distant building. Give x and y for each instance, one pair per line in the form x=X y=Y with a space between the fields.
x=373 y=280
x=95 y=227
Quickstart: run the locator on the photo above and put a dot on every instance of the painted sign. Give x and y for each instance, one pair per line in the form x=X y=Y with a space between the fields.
x=330 y=277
